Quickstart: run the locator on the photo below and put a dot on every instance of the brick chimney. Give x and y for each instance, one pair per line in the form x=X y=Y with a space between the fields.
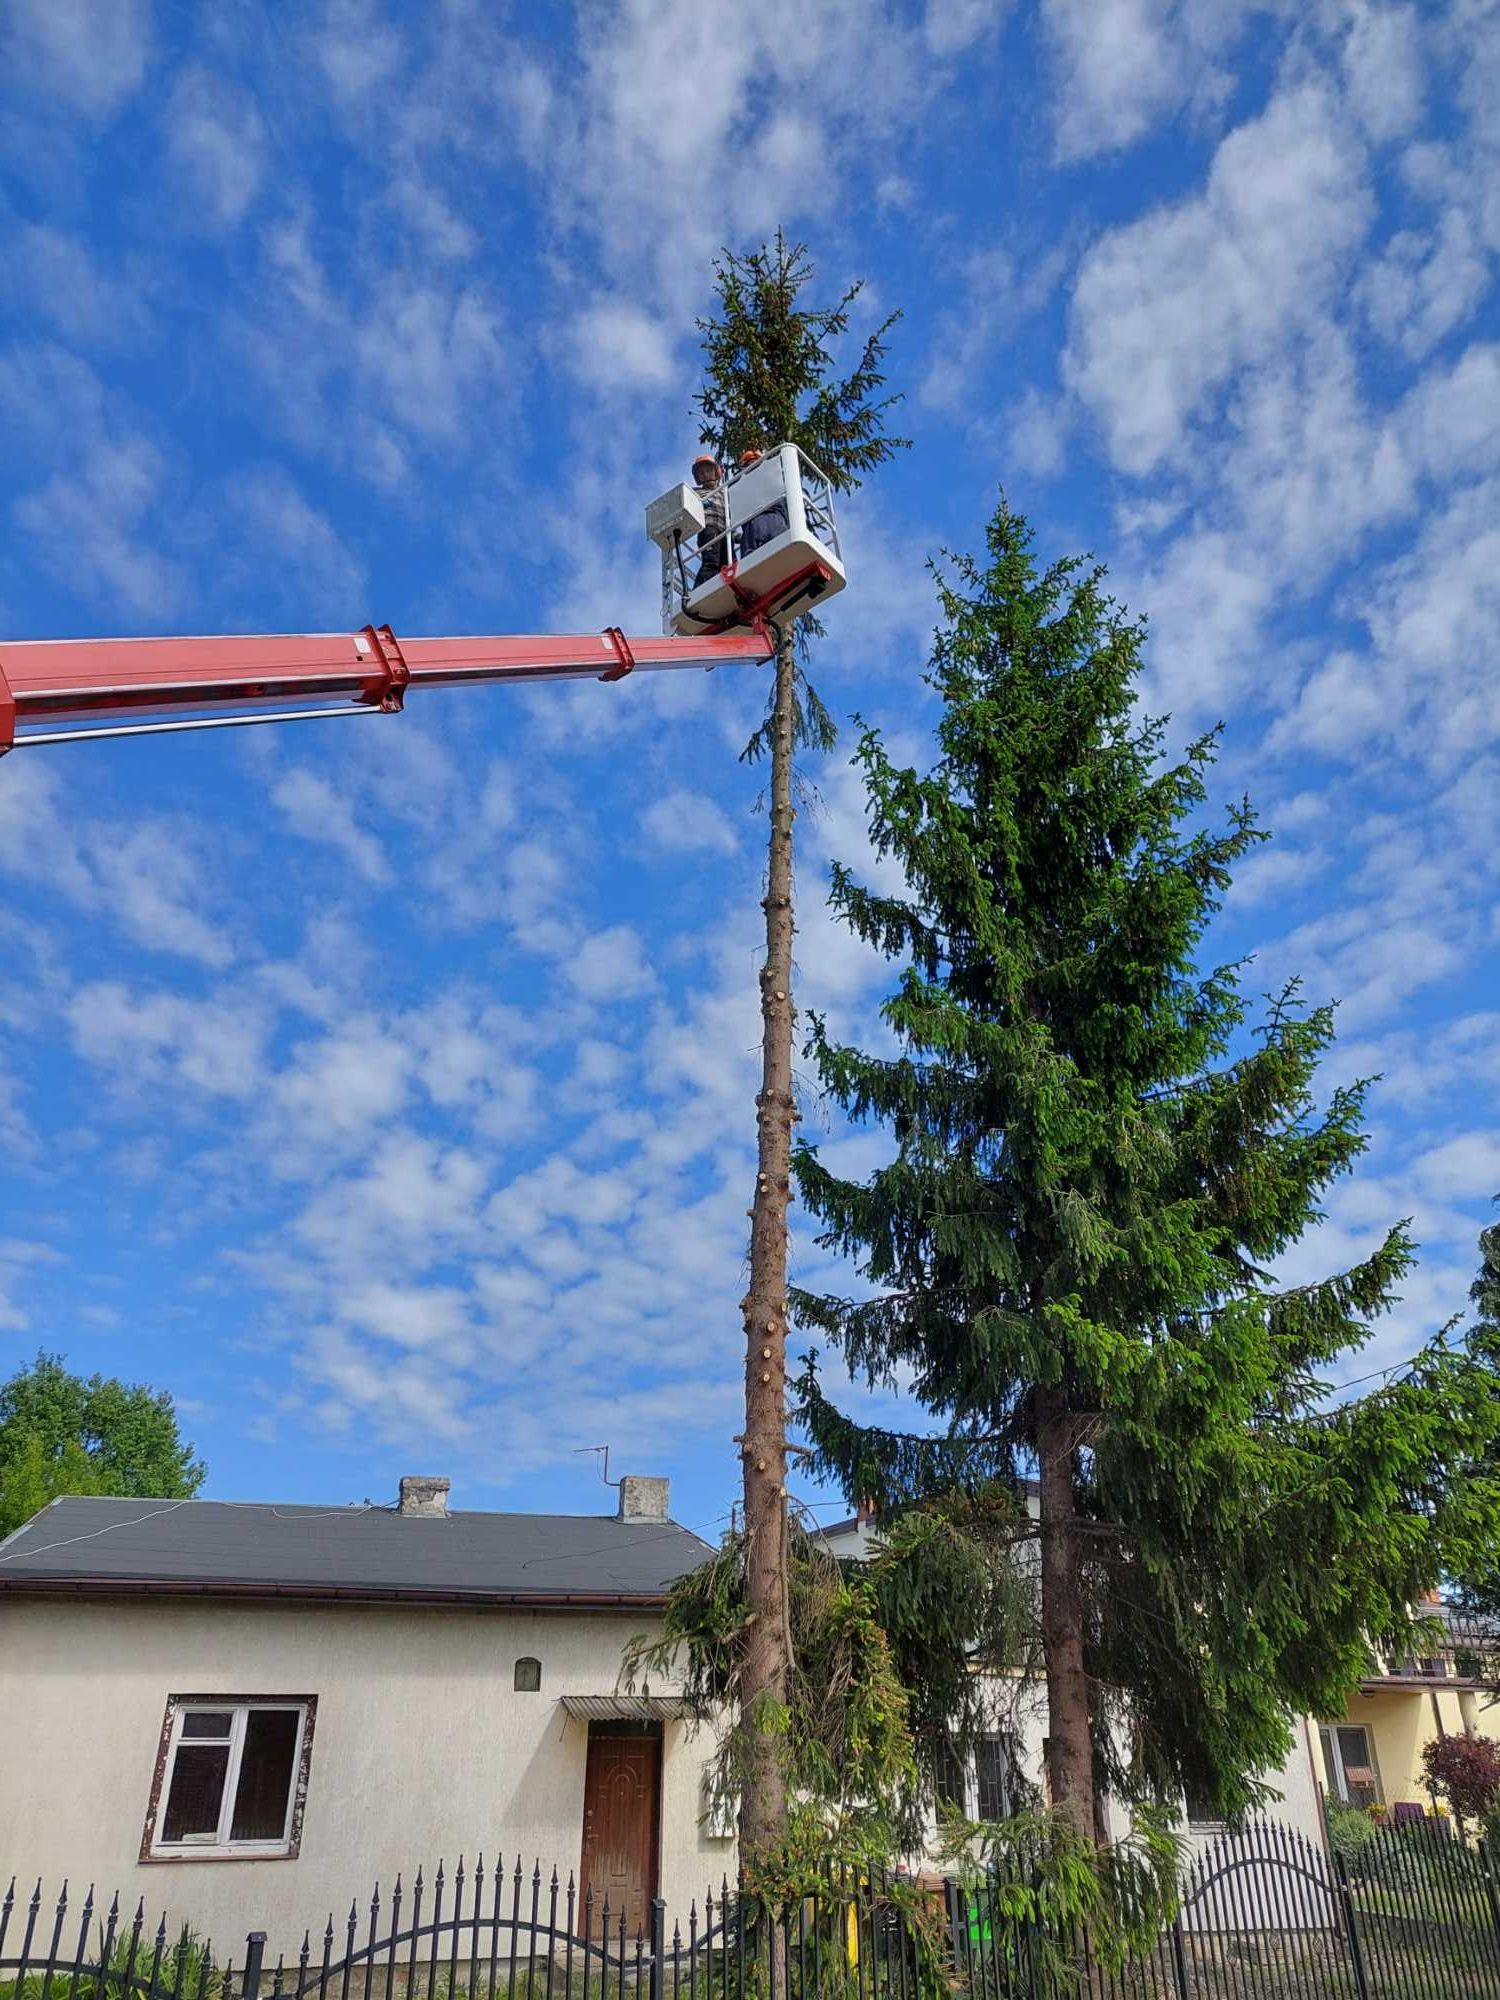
x=424 y=1499
x=643 y=1499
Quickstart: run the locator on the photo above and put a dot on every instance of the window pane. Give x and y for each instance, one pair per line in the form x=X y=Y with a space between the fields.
x=992 y=1762
x=211 y=1722
x=197 y=1791
x=1330 y=1764
x=948 y=1778
x=1354 y=1746
x=265 y=1774
x=528 y=1676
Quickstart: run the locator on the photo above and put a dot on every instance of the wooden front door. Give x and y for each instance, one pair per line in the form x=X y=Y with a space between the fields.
x=621 y=1820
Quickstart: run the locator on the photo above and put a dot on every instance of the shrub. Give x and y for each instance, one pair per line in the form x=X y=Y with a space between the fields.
x=1464 y=1770
x=1350 y=1828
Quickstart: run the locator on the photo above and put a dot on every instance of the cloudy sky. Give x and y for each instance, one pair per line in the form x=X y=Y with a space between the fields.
x=385 y=1093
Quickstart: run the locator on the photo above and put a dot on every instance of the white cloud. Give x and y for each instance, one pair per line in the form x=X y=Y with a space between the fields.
x=215 y=1046
x=67 y=283
x=432 y=357
x=1425 y=283
x=1168 y=308
x=312 y=808
x=216 y=140
x=358 y=51
x=92 y=522
x=610 y=965
x=617 y=346
x=147 y=875
x=91 y=54
x=1465 y=1169
x=1119 y=65
x=688 y=823
x=1384 y=67
x=999 y=289
x=272 y=531
x=952 y=26
x=19 y=1258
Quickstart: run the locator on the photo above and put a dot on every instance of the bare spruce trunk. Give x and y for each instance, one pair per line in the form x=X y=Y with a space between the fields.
x=1069 y=1749
x=764 y=1667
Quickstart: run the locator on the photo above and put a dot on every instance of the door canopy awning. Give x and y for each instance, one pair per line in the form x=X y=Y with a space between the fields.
x=623 y=1707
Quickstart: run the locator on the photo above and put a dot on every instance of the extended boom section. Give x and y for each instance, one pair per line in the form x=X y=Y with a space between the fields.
x=77 y=690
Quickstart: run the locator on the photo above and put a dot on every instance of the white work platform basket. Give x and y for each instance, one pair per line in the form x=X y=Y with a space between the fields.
x=778 y=555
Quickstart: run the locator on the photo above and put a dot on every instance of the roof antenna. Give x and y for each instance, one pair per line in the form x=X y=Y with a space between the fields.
x=603 y=1459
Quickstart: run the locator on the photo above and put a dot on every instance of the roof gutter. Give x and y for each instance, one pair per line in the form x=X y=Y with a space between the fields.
x=327 y=1593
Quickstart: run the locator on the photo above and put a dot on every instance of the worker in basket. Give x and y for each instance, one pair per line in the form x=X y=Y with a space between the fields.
x=713 y=535
x=769 y=523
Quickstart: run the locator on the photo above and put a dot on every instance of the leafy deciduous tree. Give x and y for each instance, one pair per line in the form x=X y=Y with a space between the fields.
x=62 y=1433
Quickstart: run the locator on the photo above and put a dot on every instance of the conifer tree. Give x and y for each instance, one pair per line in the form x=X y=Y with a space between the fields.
x=771 y=377
x=1096 y=1161
x=1479 y=1587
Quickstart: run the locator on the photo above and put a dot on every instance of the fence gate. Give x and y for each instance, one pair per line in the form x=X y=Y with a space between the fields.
x=1263 y=1913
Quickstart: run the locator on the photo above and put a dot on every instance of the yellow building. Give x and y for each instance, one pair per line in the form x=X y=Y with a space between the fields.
x=1372 y=1754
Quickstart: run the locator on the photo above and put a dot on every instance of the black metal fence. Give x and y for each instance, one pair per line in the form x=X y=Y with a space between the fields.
x=1264 y=1914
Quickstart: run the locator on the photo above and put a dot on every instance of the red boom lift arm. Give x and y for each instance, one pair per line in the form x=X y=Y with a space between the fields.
x=98 y=686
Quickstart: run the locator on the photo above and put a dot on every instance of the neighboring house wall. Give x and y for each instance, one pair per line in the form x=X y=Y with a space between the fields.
x=1296 y=1781
x=422 y=1750
x=1383 y=1732
x=1298 y=1804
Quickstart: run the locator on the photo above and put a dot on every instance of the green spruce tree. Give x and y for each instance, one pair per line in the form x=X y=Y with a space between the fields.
x=1479 y=1585
x=772 y=376
x=1096 y=1161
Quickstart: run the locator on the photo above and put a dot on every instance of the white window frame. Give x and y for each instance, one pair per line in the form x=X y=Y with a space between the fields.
x=969 y=1805
x=1330 y=1732
x=218 y=1845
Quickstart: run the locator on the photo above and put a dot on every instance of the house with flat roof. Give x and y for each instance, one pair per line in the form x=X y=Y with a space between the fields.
x=226 y=1707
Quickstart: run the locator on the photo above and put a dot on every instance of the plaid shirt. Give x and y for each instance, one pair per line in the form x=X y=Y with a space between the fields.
x=715 y=522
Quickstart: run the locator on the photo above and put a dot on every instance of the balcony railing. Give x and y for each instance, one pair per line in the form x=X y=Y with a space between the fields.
x=1456 y=1654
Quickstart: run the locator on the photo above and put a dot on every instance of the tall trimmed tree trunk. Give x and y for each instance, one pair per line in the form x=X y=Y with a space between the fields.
x=763 y=1678
x=1070 y=1748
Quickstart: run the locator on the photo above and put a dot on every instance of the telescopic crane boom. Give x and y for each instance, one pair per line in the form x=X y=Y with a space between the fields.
x=774 y=549
x=77 y=690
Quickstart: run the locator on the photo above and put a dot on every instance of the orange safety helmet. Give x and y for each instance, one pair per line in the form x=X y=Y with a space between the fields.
x=751 y=457
x=706 y=458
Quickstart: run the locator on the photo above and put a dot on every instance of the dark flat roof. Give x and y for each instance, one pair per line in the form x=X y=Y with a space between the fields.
x=219 y=1547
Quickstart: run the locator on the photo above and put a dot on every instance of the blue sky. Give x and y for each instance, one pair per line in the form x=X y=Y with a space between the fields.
x=385 y=1093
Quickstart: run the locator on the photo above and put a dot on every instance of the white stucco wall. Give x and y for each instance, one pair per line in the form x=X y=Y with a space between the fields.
x=1023 y=1713
x=422 y=1749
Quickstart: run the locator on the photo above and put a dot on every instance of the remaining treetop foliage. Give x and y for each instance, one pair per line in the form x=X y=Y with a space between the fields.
x=770 y=373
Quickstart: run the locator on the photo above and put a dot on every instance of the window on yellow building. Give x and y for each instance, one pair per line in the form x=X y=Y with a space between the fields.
x=1349 y=1766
